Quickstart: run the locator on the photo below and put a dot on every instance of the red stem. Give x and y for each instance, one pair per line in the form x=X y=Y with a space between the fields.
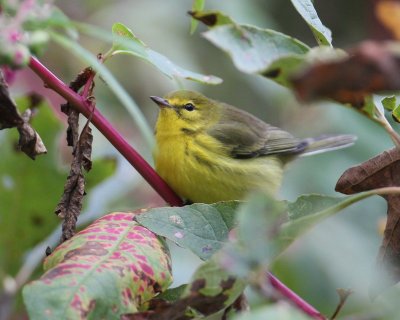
x=294 y=298
x=112 y=135
x=136 y=160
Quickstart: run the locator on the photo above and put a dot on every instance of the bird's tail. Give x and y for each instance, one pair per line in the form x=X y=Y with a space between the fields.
x=326 y=143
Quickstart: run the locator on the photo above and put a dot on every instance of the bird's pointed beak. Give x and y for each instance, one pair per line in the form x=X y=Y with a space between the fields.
x=162 y=103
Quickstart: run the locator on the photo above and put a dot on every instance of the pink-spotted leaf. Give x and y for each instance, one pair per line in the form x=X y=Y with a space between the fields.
x=110 y=268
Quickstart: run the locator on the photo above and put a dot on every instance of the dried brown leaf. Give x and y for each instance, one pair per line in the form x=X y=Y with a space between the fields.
x=379 y=172
x=371 y=67
x=9 y=116
x=180 y=309
x=29 y=140
x=71 y=201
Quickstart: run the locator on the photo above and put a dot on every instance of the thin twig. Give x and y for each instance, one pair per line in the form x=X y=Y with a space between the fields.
x=343 y=295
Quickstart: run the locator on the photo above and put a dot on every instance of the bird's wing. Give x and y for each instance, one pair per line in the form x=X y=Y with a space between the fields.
x=246 y=136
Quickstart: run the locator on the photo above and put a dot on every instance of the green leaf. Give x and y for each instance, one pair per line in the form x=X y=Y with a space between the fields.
x=309 y=210
x=173 y=294
x=197 y=5
x=258 y=225
x=125 y=42
x=396 y=114
x=321 y=33
x=109 y=268
x=261 y=235
x=280 y=310
x=389 y=103
x=270 y=53
x=202 y=228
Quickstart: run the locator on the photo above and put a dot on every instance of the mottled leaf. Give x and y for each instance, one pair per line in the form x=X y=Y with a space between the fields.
x=280 y=310
x=378 y=172
x=210 y=291
x=321 y=33
x=127 y=43
x=202 y=228
x=112 y=267
x=197 y=5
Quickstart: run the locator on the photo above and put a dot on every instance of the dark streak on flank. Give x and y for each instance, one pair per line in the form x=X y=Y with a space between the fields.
x=188 y=131
x=204 y=162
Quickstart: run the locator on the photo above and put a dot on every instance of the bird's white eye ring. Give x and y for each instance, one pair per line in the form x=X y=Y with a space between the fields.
x=189 y=107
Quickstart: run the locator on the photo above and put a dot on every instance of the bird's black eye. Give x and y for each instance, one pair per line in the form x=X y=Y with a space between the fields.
x=189 y=107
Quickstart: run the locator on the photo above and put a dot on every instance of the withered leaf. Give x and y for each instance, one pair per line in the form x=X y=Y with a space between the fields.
x=378 y=172
x=29 y=140
x=187 y=307
x=9 y=116
x=73 y=115
x=71 y=201
x=370 y=67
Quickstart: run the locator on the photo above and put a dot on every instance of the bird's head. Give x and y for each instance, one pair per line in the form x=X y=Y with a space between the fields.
x=187 y=110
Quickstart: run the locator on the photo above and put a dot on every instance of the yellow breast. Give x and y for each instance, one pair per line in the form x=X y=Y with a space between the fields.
x=199 y=169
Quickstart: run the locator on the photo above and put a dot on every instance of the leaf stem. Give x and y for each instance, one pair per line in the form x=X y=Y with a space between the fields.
x=294 y=298
x=112 y=135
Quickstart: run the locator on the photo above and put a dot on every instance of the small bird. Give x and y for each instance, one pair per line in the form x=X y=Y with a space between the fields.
x=210 y=151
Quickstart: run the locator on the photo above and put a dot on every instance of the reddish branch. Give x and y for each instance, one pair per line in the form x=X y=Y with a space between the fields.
x=112 y=135
x=136 y=160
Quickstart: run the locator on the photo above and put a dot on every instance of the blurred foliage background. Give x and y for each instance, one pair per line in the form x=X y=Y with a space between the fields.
x=339 y=252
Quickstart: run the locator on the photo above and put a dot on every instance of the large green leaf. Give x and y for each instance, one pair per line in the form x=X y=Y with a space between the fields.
x=309 y=210
x=261 y=235
x=202 y=228
x=253 y=50
x=126 y=42
x=321 y=33
x=110 y=268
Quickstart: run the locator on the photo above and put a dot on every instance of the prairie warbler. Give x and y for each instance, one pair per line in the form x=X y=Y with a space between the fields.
x=209 y=151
